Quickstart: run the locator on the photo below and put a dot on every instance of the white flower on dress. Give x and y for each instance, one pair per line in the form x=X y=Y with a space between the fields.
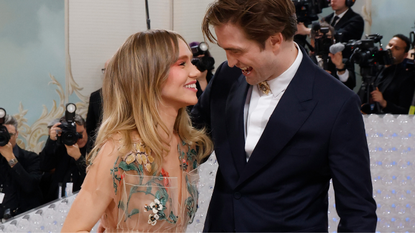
x=152 y=219
x=156 y=206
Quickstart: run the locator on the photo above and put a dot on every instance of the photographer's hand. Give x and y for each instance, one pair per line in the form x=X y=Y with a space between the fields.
x=73 y=151
x=302 y=29
x=378 y=97
x=337 y=60
x=55 y=131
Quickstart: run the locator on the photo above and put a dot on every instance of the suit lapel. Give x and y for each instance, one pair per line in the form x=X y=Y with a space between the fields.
x=344 y=19
x=235 y=122
x=291 y=112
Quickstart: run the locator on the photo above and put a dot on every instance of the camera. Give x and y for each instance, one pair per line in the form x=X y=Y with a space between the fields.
x=69 y=136
x=308 y=10
x=369 y=57
x=322 y=42
x=4 y=133
x=205 y=62
x=365 y=53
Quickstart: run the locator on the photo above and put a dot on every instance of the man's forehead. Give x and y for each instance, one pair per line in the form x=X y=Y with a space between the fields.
x=397 y=40
x=10 y=128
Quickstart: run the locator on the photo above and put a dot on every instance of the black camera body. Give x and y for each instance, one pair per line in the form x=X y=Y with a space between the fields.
x=205 y=62
x=321 y=43
x=69 y=136
x=308 y=10
x=4 y=133
x=365 y=53
x=369 y=57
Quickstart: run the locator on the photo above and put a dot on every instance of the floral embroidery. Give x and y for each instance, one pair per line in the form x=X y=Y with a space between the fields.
x=142 y=155
x=166 y=179
x=184 y=165
x=156 y=206
x=190 y=203
x=152 y=219
x=140 y=160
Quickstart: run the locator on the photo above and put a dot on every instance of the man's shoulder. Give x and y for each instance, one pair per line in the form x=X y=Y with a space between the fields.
x=352 y=15
x=26 y=154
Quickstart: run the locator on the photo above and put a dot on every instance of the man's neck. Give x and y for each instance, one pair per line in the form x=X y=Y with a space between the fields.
x=290 y=52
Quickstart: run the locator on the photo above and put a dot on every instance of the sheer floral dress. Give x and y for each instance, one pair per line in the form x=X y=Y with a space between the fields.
x=143 y=202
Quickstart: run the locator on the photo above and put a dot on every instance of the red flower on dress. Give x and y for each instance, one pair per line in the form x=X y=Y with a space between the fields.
x=165 y=175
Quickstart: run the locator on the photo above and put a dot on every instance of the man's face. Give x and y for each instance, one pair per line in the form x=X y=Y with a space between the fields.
x=338 y=5
x=13 y=134
x=256 y=65
x=82 y=141
x=397 y=47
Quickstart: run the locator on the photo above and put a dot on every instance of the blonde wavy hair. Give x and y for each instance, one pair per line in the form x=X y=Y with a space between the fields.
x=132 y=93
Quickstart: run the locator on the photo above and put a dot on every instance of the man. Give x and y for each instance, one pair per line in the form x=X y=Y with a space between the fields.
x=19 y=175
x=94 y=114
x=66 y=164
x=279 y=147
x=348 y=24
x=205 y=63
x=394 y=83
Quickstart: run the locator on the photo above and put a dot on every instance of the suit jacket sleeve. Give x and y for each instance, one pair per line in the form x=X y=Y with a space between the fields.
x=27 y=171
x=200 y=113
x=350 y=168
x=351 y=81
x=404 y=96
x=94 y=108
x=48 y=156
x=353 y=29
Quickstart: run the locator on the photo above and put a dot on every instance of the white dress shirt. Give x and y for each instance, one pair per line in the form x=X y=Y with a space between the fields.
x=259 y=106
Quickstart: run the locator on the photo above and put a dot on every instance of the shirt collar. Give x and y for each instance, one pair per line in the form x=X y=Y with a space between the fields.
x=341 y=15
x=280 y=83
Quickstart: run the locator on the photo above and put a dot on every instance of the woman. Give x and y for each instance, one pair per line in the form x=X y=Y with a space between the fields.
x=143 y=173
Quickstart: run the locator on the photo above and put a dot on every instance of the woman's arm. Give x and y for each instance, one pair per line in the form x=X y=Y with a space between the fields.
x=96 y=193
x=85 y=212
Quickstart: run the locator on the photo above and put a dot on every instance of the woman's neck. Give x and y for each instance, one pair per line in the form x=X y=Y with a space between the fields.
x=168 y=117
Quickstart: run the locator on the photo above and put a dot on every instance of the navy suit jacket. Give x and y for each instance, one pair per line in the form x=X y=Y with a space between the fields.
x=316 y=133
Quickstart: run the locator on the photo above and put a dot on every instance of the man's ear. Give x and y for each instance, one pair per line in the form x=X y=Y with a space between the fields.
x=275 y=41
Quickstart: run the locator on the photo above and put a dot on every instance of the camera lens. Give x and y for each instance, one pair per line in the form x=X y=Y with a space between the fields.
x=68 y=138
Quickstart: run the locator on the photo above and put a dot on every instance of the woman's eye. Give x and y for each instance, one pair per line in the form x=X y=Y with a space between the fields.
x=182 y=63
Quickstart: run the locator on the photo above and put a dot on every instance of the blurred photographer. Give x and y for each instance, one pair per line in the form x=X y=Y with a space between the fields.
x=19 y=172
x=205 y=63
x=348 y=24
x=65 y=163
x=329 y=56
x=395 y=83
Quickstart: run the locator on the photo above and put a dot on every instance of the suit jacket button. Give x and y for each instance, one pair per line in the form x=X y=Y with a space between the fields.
x=237 y=195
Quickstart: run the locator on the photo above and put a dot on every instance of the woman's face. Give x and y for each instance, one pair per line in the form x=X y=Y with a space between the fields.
x=180 y=88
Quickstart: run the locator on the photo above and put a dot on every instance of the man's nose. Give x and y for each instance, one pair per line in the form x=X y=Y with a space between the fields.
x=232 y=61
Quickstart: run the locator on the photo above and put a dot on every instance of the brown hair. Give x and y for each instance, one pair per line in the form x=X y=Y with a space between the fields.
x=259 y=19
